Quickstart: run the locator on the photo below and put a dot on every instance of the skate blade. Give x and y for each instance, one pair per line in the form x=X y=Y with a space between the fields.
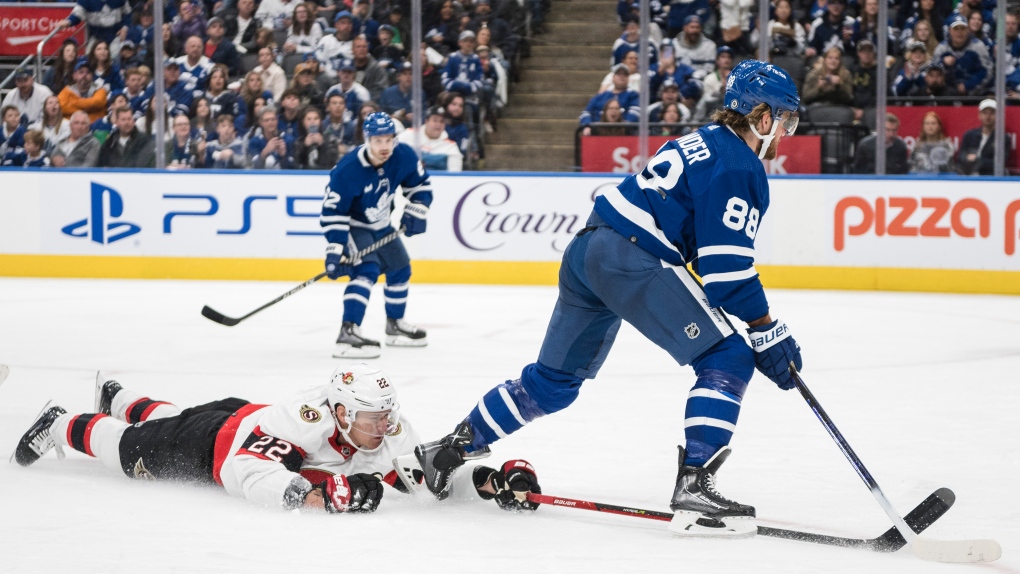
x=697 y=525
x=100 y=381
x=402 y=341
x=344 y=351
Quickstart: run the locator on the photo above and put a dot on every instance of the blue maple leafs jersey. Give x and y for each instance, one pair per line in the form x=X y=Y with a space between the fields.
x=360 y=195
x=700 y=200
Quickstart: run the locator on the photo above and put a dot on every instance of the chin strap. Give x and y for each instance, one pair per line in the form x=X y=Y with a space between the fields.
x=766 y=140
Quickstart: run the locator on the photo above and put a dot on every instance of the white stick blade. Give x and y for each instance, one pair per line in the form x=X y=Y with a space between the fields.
x=956 y=550
x=4 y=371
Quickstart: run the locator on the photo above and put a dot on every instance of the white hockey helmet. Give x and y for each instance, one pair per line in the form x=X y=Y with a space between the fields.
x=361 y=388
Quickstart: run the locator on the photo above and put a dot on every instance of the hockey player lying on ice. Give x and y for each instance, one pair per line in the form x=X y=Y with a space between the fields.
x=330 y=447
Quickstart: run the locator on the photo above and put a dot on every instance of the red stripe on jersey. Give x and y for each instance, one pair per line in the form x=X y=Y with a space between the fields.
x=225 y=438
x=88 y=432
x=338 y=443
x=316 y=476
x=391 y=478
x=149 y=409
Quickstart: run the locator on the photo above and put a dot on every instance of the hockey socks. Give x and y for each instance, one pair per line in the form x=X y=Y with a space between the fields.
x=356 y=295
x=133 y=407
x=711 y=415
x=96 y=435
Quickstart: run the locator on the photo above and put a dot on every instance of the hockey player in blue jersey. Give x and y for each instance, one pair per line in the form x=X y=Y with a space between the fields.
x=356 y=213
x=700 y=200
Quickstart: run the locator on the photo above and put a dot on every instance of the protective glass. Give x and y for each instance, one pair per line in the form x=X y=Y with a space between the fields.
x=377 y=424
x=789 y=121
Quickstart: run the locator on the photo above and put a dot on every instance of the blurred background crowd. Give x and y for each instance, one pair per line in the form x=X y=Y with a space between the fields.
x=285 y=84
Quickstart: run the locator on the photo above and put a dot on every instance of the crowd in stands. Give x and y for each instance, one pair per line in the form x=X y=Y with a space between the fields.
x=939 y=52
x=276 y=84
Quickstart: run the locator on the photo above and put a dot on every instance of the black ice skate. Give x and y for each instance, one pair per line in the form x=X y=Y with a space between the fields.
x=38 y=440
x=105 y=391
x=351 y=344
x=400 y=333
x=699 y=510
x=440 y=459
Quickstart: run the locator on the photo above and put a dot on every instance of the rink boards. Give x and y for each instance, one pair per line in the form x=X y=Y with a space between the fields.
x=948 y=234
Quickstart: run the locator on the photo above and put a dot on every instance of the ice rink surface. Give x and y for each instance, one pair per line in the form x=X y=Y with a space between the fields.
x=925 y=387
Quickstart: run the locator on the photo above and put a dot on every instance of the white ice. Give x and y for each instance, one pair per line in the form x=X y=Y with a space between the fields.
x=924 y=387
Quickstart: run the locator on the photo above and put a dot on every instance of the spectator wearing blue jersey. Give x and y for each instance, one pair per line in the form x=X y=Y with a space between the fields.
x=909 y=78
x=834 y=29
x=267 y=147
x=458 y=124
x=363 y=23
x=288 y=116
x=978 y=29
x=12 y=132
x=966 y=59
x=224 y=101
x=178 y=93
x=1012 y=68
x=356 y=213
x=227 y=150
x=183 y=150
x=700 y=201
x=134 y=89
x=681 y=73
x=396 y=99
x=463 y=73
x=129 y=56
x=32 y=154
x=865 y=27
x=220 y=50
x=194 y=66
x=629 y=100
x=669 y=94
x=105 y=20
x=631 y=41
x=104 y=70
x=681 y=10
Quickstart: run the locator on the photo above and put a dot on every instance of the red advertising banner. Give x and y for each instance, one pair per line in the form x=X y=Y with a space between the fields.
x=619 y=154
x=23 y=26
x=956 y=121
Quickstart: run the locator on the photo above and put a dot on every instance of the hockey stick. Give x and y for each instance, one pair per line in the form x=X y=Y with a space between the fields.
x=986 y=550
x=4 y=371
x=920 y=518
x=214 y=315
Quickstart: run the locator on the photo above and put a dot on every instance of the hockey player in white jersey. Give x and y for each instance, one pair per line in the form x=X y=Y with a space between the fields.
x=330 y=447
x=356 y=213
x=700 y=200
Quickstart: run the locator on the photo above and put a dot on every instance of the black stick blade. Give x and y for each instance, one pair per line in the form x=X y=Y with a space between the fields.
x=214 y=315
x=919 y=519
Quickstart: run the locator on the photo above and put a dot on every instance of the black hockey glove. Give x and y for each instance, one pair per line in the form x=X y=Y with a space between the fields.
x=354 y=493
x=338 y=261
x=774 y=348
x=413 y=220
x=512 y=484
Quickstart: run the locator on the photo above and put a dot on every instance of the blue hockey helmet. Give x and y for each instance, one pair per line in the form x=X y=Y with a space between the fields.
x=754 y=82
x=379 y=124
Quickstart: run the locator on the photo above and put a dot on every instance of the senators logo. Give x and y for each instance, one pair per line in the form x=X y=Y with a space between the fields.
x=398 y=430
x=310 y=415
x=348 y=378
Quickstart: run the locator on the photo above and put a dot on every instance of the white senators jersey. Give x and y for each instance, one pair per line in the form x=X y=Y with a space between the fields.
x=271 y=445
